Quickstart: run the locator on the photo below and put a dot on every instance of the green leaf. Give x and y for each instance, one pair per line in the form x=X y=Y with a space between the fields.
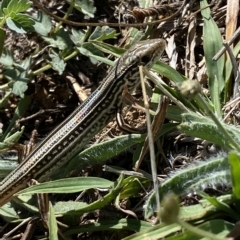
x=58 y=64
x=144 y=3
x=14 y=138
x=168 y=72
x=20 y=23
x=76 y=209
x=133 y=186
x=21 y=80
x=60 y=40
x=42 y=24
x=218 y=227
x=99 y=204
x=203 y=208
x=4 y=100
x=204 y=128
x=234 y=160
x=135 y=35
x=220 y=205
x=103 y=33
x=53 y=228
x=20 y=86
x=174 y=231
x=63 y=208
x=174 y=113
x=8 y=213
x=213 y=172
x=78 y=37
x=14 y=26
x=15 y=6
x=89 y=49
x=68 y=185
x=100 y=153
x=95 y=58
x=4 y=4
x=108 y=48
x=110 y=225
x=2 y=39
x=7 y=58
x=159 y=231
x=6 y=166
x=211 y=46
x=19 y=111
x=167 y=127
x=85 y=6
x=16 y=74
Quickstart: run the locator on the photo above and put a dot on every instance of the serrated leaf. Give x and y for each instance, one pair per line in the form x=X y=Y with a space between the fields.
x=103 y=33
x=7 y=58
x=21 y=81
x=16 y=6
x=135 y=35
x=57 y=63
x=78 y=37
x=60 y=39
x=20 y=87
x=85 y=6
x=42 y=24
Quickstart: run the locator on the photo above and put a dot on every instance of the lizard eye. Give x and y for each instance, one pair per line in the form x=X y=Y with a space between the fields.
x=146 y=59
